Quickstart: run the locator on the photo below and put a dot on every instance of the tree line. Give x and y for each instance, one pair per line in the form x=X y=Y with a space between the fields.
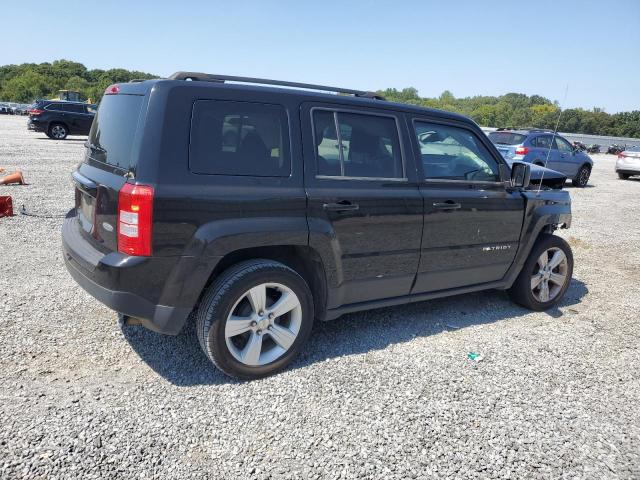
x=519 y=110
x=30 y=81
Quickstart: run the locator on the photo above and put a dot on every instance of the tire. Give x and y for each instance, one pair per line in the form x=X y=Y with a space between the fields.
x=231 y=294
x=623 y=176
x=522 y=292
x=582 y=178
x=57 y=131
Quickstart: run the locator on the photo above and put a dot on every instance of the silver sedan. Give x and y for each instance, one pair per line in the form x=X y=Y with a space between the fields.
x=628 y=163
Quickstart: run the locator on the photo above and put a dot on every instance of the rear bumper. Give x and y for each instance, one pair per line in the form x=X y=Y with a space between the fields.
x=628 y=166
x=36 y=126
x=159 y=291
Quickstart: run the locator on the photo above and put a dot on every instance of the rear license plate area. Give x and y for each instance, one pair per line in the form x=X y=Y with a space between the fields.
x=86 y=210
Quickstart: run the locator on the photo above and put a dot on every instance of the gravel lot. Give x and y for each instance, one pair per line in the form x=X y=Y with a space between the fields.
x=383 y=394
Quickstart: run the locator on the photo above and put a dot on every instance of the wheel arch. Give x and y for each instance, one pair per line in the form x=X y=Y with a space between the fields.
x=303 y=260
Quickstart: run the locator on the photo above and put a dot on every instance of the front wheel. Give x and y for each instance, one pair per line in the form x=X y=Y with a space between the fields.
x=582 y=178
x=623 y=176
x=255 y=319
x=546 y=275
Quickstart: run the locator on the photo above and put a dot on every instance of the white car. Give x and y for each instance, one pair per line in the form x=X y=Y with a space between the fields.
x=628 y=163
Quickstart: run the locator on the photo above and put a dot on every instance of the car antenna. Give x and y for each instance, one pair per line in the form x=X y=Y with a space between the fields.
x=553 y=137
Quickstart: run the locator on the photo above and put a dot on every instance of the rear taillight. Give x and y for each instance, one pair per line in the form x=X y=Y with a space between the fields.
x=112 y=90
x=35 y=112
x=135 y=217
x=522 y=150
x=622 y=155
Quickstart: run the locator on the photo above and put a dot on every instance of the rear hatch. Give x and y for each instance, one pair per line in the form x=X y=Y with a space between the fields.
x=507 y=142
x=110 y=160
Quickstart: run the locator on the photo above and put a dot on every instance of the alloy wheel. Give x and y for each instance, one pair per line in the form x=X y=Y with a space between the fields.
x=263 y=324
x=58 y=131
x=550 y=275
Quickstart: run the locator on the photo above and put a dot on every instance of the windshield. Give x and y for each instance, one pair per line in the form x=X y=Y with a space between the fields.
x=506 y=138
x=113 y=130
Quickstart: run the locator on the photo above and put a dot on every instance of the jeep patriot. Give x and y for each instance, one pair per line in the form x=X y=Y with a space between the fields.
x=257 y=206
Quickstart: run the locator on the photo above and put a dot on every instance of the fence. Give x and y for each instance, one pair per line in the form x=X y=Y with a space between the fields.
x=601 y=140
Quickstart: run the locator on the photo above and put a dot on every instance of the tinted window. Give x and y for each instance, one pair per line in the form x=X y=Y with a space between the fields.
x=368 y=145
x=543 y=141
x=454 y=153
x=114 y=128
x=239 y=138
x=506 y=138
x=55 y=106
x=563 y=145
x=73 y=107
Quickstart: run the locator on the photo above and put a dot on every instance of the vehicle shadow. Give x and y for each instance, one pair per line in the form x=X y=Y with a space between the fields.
x=181 y=362
x=65 y=140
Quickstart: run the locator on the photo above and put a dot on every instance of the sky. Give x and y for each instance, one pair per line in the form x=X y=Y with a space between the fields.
x=588 y=48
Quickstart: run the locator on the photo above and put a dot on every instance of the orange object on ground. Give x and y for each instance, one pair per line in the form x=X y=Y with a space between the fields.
x=15 y=177
x=6 y=206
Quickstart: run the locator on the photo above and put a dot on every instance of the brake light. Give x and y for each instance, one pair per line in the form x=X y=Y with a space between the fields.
x=622 y=155
x=35 y=112
x=522 y=150
x=112 y=89
x=135 y=217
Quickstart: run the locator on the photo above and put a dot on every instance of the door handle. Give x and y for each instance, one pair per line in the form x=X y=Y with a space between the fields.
x=342 y=206
x=448 y=205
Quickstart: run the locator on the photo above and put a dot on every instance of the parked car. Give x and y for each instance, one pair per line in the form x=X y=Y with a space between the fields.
x=320 y=205
x=5 y=109
x=534 y=146
x=593 y=148
x=615 y=149
x=57 y=118
x=628 y=163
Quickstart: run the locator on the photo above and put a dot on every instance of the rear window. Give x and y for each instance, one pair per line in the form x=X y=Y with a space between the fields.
x=506 y=138
x=239 y=138
x=114 y=128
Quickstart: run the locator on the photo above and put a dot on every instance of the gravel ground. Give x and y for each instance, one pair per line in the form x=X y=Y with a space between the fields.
x=386 y=394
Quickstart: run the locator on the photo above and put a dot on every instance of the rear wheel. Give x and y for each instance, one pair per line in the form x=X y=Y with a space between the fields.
x=255 y=318
x=546 y=275
x=582 y=178
x=623 y=176
x=57 y=131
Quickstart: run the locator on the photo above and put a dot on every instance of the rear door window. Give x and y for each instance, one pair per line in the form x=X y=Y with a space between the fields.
x=368 y=145
x=114 y=128
x=239 y=138
x=543 y=141
x=73 y=108
x=55 y=107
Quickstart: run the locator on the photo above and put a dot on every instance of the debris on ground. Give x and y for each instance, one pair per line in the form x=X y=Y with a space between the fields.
x=476 y=357
x=6 y=206
x=15 y=177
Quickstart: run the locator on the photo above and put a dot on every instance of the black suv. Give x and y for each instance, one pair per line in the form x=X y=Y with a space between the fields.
x=259 y=209
x=58 y=118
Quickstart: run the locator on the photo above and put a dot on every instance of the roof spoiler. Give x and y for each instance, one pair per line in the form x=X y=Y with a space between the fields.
x=209 y=77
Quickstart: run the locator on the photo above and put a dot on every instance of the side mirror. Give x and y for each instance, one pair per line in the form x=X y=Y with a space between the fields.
x=520 y=175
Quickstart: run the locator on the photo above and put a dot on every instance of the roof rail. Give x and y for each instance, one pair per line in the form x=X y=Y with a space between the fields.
x=209 y=77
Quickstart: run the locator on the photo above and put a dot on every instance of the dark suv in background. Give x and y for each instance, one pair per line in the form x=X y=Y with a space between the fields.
x=58 y=118
x=256 y=210
x=544 y=148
